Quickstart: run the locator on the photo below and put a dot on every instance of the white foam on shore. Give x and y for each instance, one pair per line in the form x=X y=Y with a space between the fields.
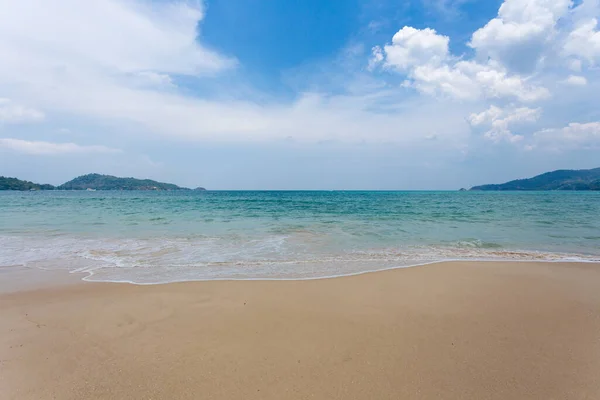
x=90 y=278
x=157 y=261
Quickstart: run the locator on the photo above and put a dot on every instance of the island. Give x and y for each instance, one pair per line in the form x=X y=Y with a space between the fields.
x=563 y=179
x=93 y=182
x=109 y=182
x=7 y=183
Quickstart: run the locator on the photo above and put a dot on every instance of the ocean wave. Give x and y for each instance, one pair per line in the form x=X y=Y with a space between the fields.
x=302 y=256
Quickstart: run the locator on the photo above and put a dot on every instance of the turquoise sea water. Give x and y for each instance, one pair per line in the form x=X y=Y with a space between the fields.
x=153 y=237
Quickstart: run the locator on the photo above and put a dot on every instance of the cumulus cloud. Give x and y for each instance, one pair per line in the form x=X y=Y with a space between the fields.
x=47 y=148
x=584 y=42
x=500 y=120
x=487 y=116
x=424 y=57
x=415 y=47
x=472 y=81
x=13 y=113
x=517 y=36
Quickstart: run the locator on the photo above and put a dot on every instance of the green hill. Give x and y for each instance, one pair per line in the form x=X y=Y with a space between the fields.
x=564 y=179
x=17 y=184
x=108 y=182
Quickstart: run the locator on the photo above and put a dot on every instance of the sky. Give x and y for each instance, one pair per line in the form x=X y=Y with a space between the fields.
x=299 y=94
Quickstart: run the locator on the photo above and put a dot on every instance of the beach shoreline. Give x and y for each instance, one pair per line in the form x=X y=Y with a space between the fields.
x=486 y=330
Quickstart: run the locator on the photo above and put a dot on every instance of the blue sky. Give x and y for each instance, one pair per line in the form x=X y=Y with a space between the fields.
x=273 y=94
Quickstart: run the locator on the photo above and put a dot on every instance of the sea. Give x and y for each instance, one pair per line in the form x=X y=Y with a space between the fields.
x=146 y=237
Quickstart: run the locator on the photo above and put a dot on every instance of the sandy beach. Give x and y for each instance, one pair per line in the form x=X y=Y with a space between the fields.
x=443 y=331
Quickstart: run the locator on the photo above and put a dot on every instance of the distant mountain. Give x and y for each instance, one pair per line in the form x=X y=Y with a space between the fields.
x=564 y=179
x=17 y=184
x=108 y=182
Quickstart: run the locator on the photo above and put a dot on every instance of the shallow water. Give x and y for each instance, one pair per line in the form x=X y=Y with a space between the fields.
x=153 y=237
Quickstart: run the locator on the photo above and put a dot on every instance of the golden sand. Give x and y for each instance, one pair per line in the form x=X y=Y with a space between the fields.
x=443 y=331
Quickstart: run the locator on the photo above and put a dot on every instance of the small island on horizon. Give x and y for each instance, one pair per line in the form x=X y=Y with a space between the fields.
x=93 y=182
x=562 y=179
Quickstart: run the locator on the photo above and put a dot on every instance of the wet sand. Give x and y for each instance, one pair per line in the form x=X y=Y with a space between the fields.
x=443 y=331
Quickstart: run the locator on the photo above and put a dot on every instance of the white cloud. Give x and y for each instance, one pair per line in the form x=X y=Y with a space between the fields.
x=376 y=58
x=517 y=36
x=503 y=117
x=444 y=80
x=414 y=47
x=47 y=148
x=576 y=80
x=15 y=113
x=573 y=136
x=499 y=121
x=423 y=56
x=113 y=60
x=497 y=83
x=112 y=35
x=487 y=116
x=584 y=41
